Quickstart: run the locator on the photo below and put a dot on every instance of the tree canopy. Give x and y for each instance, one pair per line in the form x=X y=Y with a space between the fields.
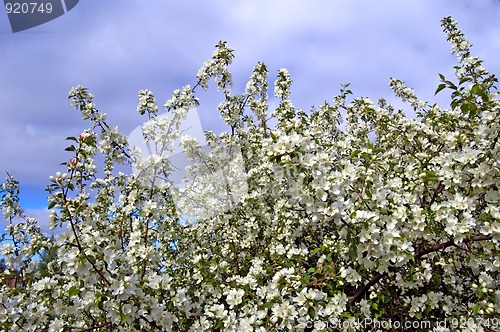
x=392 y=223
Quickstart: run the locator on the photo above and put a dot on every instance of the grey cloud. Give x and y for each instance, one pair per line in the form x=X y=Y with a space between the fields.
x=116 y=48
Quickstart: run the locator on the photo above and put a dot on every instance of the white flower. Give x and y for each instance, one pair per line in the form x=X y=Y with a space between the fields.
x=234 y=297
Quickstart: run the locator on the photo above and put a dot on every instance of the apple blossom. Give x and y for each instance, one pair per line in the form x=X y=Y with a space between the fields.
x=294 y=226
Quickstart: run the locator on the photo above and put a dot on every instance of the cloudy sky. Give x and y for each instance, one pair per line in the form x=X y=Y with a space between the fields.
x=118 y=47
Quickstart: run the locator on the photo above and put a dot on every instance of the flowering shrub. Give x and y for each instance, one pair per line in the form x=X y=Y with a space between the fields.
x=392 y=219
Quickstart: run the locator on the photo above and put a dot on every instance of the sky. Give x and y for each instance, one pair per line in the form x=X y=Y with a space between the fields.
x=118 y=47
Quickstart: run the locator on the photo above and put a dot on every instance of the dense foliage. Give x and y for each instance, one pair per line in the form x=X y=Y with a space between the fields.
x=390 y=223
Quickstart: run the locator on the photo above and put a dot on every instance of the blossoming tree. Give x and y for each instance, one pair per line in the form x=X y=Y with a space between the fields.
x=389 y=220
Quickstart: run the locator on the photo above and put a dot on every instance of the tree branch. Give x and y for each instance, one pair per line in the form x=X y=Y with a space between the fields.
x=444 y=245
x=362 y=290
x=418 y=254
x=95 y=327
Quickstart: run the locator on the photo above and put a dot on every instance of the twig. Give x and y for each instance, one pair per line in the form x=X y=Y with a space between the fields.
x=95 y=327
x=418 y=254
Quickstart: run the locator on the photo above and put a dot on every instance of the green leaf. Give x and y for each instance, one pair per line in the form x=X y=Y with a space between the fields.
x=439 y=88
x=219 y=324
x=431 y=176
x=355 y=153
x=51 y=205
x=70 y=148
x=353 y=251
x=71 y=138
x=91 y=259
x=315 y=251
x=437 y=279
x=311 y=312
x=441 y=76
x=451 y=85
x=268 y=305
x=484 y=96
x=305 y=280
x=470 y=108
x=484 y=216
x=73 y=291
x=345 y=314
x=465 y=79
x=475 y=88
